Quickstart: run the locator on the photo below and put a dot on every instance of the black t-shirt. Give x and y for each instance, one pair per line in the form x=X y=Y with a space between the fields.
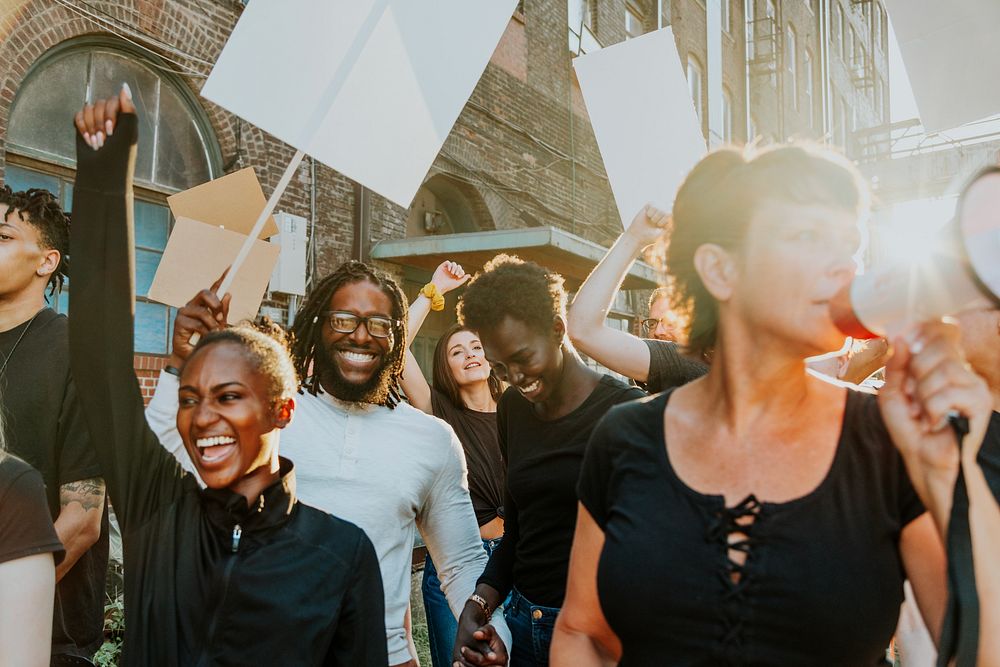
x=668 y=368
x=823 y=580
x=543 y=465
x=44 y=426
x=25 y=526
x=477 y=431
x=989 y=455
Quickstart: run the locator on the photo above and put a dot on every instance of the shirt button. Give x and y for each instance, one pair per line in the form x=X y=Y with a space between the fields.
x=536 y=614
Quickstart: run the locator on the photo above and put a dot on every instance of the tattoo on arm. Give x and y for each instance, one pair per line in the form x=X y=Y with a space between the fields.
x=88 y=492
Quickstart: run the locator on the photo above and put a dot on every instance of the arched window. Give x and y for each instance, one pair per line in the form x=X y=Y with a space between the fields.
x=176 y=149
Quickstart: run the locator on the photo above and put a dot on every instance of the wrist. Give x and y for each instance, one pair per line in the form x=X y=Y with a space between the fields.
x=478 y=609
x=633 y=242
x=175 y=360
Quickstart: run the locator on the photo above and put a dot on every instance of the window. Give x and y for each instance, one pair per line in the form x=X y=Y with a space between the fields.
x=791 y=66
x=727 y=22
x=727 y=116
x=581 y=28
x=853 y=53
x=633 y=23
x=807 y=67
x=176 y=151
x=696 y=78
x=838 y=29
x=751 y=14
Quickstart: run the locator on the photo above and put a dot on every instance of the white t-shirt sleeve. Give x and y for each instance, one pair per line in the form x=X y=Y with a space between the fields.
x=448 y=525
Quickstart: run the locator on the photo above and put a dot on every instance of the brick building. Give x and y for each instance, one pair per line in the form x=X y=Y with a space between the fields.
x=520 y=169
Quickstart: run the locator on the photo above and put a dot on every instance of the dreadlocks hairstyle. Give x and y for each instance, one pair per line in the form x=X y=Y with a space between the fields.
x=510 y=286
x=41 y=210
x=307 y=331
x=265 y=346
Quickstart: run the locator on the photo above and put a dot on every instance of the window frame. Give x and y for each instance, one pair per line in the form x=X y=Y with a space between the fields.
x=810 y=84
x=62 y=168
x=791 y=62
x=694 y=64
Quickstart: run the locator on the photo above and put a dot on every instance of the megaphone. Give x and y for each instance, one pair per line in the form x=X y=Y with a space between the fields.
x=963 y=273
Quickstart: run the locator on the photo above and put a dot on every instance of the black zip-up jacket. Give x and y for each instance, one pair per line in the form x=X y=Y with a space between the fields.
x=208 y=580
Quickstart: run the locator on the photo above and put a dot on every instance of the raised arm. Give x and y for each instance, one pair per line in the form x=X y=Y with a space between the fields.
x=620 y=351
x=447 y=276
x=140 y=476
x=202 y=314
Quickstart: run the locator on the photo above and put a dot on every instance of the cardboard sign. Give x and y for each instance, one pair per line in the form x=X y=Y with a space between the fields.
x=370 y=88
x=195 y=257
x=952 y=58
x=643 y=117
x=233 y=202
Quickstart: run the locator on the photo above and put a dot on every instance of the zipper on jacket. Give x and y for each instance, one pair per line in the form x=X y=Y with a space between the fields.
x=226 y=574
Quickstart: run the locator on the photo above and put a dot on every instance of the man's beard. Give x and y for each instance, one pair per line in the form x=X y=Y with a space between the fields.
x=375 y=390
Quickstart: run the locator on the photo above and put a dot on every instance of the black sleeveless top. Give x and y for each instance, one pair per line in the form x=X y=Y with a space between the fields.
x=822 y=582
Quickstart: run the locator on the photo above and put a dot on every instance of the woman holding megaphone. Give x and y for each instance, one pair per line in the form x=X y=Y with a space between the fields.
x=761 y=514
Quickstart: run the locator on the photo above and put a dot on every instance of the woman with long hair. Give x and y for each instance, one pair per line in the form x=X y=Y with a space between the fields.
x=761 y=514
x=213 y=575
x=29 y=551
x=464 y=394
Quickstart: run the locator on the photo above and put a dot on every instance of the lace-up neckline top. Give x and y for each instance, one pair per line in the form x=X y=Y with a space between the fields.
x=684 y=579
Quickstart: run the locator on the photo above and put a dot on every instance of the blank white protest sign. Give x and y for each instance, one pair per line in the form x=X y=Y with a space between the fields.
x=952 y=58
x=643 y=117
x=370 y=88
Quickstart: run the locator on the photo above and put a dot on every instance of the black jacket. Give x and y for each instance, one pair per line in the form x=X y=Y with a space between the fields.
x=208 y=581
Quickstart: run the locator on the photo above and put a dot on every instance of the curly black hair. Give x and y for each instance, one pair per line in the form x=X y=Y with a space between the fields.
x=307 y=331
x=508 y=286
x=41 y=209
x=266 y=346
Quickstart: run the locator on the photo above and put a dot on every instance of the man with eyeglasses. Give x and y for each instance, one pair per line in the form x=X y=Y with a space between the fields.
x=361 y=452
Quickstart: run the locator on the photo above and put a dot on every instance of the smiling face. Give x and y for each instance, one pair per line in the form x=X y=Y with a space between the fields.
x=668 y=326
x=466 y=359
x=794 y=260
x=355 y=366
x=226 y=416
x=25 y=263
x=530 y=360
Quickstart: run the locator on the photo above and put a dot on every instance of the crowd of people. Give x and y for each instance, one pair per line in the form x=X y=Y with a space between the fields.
x=717 y=498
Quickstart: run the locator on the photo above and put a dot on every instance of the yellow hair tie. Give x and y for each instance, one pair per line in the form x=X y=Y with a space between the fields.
x=430 y=290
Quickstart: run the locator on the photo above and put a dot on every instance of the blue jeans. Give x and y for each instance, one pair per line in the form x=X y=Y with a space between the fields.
x=531 y=628
x=441 y=624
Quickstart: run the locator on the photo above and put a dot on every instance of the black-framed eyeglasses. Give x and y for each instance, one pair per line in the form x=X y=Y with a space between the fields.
x=650 y=323
x=377 y=325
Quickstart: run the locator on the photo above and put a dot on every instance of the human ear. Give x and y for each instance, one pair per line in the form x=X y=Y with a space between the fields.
x=49 y=263
x=283 y=411
x=717 y=269
x=558 y=328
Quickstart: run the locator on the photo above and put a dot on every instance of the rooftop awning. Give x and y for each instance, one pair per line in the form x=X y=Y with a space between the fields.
x=572 y=256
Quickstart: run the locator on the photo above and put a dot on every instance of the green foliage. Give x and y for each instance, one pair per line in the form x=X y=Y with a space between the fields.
x=114 y=632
